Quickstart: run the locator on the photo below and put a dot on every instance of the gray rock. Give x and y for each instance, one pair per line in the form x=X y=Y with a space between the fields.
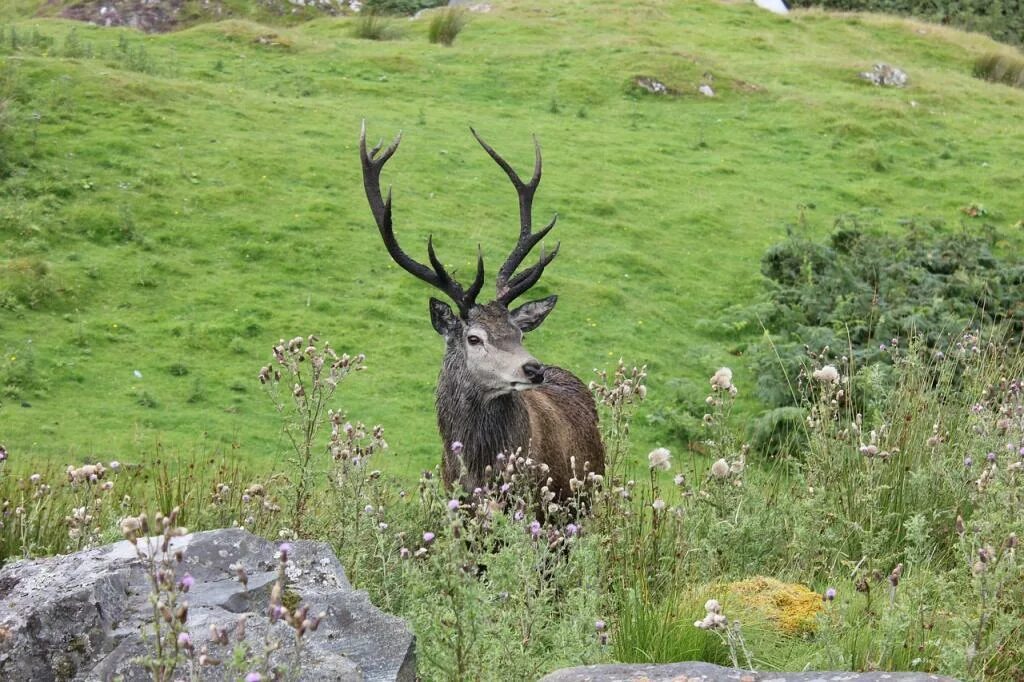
x=886 y=75
x=708 y=672
x=82 y=616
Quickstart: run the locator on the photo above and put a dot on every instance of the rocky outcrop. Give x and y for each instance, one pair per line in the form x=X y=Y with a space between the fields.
x=87 y=616
x=708 y=672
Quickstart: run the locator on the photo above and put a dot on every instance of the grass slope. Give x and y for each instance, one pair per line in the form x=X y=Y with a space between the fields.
x=177 y=203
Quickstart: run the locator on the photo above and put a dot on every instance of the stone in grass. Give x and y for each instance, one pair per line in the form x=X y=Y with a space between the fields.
x=653 y=86
x=708 y=672
x=886 y=75
x=82 y=616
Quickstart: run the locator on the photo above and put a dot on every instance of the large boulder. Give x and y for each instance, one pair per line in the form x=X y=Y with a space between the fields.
x=708 y=672
x=87 y=616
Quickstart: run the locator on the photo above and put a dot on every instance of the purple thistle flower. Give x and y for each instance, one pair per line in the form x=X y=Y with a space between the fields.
x=991 y=457
x=453 y=505
x=254 y=677
x=571 y=530
x=3 y=454
x=599 y=625
x=428 y=538
x=285 y=548
x=456 y=447
x=404 y=553
x=186 y=582
x=518 y=516
x=535 y=529
x=184 y=640
x=968 y=462
x=506 y=486
x=830 y=594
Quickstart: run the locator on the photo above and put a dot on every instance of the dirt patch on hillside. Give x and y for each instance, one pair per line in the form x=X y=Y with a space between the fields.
x=150 y=16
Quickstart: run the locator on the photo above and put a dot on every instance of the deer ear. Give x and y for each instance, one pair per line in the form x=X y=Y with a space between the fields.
x=529 y=315
x=442 y=317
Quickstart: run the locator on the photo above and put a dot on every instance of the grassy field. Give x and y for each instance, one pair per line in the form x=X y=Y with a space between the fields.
x=174 y=204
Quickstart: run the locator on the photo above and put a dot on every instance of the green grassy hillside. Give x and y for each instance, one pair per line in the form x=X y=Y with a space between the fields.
x=174 y=204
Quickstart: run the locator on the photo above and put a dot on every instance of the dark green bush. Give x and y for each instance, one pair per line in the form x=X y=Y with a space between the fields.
x=864 y=288
x=400 y=6
x=1001 y=19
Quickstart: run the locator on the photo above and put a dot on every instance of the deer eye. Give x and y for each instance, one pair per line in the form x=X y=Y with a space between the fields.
x=474 y=340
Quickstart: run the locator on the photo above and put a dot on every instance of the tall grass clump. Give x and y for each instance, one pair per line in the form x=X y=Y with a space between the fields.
x=446 y=25
x=370 y=25
x=1000 y=68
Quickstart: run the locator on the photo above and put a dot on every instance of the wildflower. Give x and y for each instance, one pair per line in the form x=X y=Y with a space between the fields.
x=35 y=479
x=572 y=530
x=720 y=469
x=254 y=677
x=453 y=505
x=830 y=594
x=184 y=640
x=368 y=509
x=456 y=447
x=722 y=379
x=186 y=582
x=599 y=625
x=404 y=553
x=991 y=457
x=535 y=529
x=660 y=459
x=115 y=465
x=968 y=462
x=827 y=374
x=680 y=480
x=285 y=548
x=712 y=606
x=659 y=505
x=3 y=454
x=428 y=538
x=737 y=467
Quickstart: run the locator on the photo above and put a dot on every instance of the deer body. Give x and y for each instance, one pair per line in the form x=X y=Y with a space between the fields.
x=493 y=396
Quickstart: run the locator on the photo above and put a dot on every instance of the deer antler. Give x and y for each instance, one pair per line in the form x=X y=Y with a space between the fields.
x=510 y=286
x=435 y=275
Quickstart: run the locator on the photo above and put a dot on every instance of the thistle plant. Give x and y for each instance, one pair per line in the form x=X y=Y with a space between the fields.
x=618 y=397
x=171 y=642
x=301 y=382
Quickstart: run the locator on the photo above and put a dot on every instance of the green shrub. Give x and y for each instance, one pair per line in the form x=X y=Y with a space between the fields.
x=398 y=7
x=1003 y=20
x=865 y=290
x=446 y=25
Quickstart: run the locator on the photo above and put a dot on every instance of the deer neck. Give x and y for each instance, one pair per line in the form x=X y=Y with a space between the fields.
x=486 y=425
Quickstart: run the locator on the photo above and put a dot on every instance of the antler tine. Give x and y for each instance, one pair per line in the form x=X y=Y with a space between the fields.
x=381 y=208
x=510 y=287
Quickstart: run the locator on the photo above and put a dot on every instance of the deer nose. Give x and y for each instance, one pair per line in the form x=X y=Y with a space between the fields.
x=534 y=371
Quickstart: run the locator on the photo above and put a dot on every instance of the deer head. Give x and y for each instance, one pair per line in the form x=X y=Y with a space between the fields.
x=487 y=337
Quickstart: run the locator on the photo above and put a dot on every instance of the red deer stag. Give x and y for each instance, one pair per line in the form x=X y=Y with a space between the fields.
x=493 y=396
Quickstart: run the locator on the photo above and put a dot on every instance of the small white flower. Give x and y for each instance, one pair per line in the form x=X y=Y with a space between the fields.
x=660 y=459
x=680 y=479
x=712 y=606
x=659 y=505
x=722 y=379
x=720 y=469
x=827 y=374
